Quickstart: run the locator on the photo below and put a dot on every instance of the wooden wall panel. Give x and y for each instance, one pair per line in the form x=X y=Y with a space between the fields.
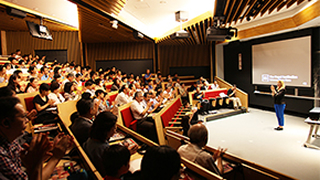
x=118 y=51
x=61 y=40
x=183 y=56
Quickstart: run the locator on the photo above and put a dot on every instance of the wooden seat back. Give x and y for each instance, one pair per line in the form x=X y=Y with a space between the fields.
x=65 y=110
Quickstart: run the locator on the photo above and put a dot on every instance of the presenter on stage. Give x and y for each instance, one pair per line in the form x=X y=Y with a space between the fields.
x=279 y=104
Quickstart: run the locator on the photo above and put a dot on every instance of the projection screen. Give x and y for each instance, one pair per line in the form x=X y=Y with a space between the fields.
x=287 y=60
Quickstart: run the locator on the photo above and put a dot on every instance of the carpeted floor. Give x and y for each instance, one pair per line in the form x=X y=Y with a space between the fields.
x=251 y=136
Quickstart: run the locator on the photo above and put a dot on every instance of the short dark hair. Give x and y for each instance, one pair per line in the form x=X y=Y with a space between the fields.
x=44 y=87
x=31 y=68
x=67 y=87
x=78 y=75
x=54 y=85
x=84 y=106
x=56 y=76
x=114 y=157
x=123 y=87
x=70 y=75
x=43 y=68
x=88 y=83
x=160 y=163
x=86 y=95
x=7 y=107
x=99 y=91
x=102 y=125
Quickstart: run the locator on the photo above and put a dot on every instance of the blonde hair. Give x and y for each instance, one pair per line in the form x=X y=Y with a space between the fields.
x=282 y=85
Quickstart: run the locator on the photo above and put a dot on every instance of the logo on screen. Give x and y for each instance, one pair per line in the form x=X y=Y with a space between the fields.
x=265 y=77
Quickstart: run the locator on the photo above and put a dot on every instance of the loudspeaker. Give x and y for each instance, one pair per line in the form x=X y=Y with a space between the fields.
x=16 y=12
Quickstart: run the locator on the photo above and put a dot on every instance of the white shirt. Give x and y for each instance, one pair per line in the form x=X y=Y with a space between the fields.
x=122 y=99
x=136 y=109
x=65 y=81
x=92 y=92
x=215 y=86
x=56 y=98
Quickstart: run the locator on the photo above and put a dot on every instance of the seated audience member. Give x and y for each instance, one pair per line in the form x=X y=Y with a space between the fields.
x=232 y=96
x=201 y=80
x=205 y=105
x=189 y=119
x=3 y=74
x=45 y=73
x=57 y=77
x=193 y=87
x=116 y=85
x=123 y=98
x=55 y=95
x=77 y=80
x=115 y=160
x=9 y=68
x=168 y=93
x=70 y=78
x=145 y=126
x=205 y=86
x=146 y=100
x=81 y=126
x=215 y=85
x=69 y=93
x=175 y=77
x=99 y=84
x=13 y=84
x=100 y=100
x=13 y=122
x=32 y=85
x=103 y=127
x=194 y=151
x=33 y=72
x=90 y=87
x=42 y=102
x=160 y=163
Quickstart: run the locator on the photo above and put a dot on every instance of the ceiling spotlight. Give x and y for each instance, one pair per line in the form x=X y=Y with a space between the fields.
x=114 y=24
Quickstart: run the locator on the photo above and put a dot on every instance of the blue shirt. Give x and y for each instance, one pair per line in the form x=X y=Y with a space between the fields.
x=45 y=77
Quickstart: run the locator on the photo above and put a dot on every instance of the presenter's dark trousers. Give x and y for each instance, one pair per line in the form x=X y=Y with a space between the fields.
x=146 y=128
x=279 y=108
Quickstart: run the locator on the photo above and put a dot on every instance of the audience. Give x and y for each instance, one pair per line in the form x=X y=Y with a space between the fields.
x=144 y=126
x=32 y=86
x=81 y=126
x=93 y=124
x=232 y=96
x=160 y=163
x=42 y=102
x=115 y=159
x=194 y=151
x=69 y=93
x=55 y=95
x=13 y=122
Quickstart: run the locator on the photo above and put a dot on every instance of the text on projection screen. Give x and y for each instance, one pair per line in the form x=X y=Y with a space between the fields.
x=287 y=60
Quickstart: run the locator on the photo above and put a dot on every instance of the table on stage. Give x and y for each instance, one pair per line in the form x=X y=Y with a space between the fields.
x=314 y=126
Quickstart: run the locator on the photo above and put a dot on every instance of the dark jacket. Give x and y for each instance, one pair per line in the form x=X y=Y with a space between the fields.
x=279 y=96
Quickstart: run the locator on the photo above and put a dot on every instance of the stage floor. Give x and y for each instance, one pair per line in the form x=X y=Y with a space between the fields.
x=251 y=136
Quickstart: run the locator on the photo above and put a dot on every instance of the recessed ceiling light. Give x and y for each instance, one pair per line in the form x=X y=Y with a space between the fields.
x=163 y=2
